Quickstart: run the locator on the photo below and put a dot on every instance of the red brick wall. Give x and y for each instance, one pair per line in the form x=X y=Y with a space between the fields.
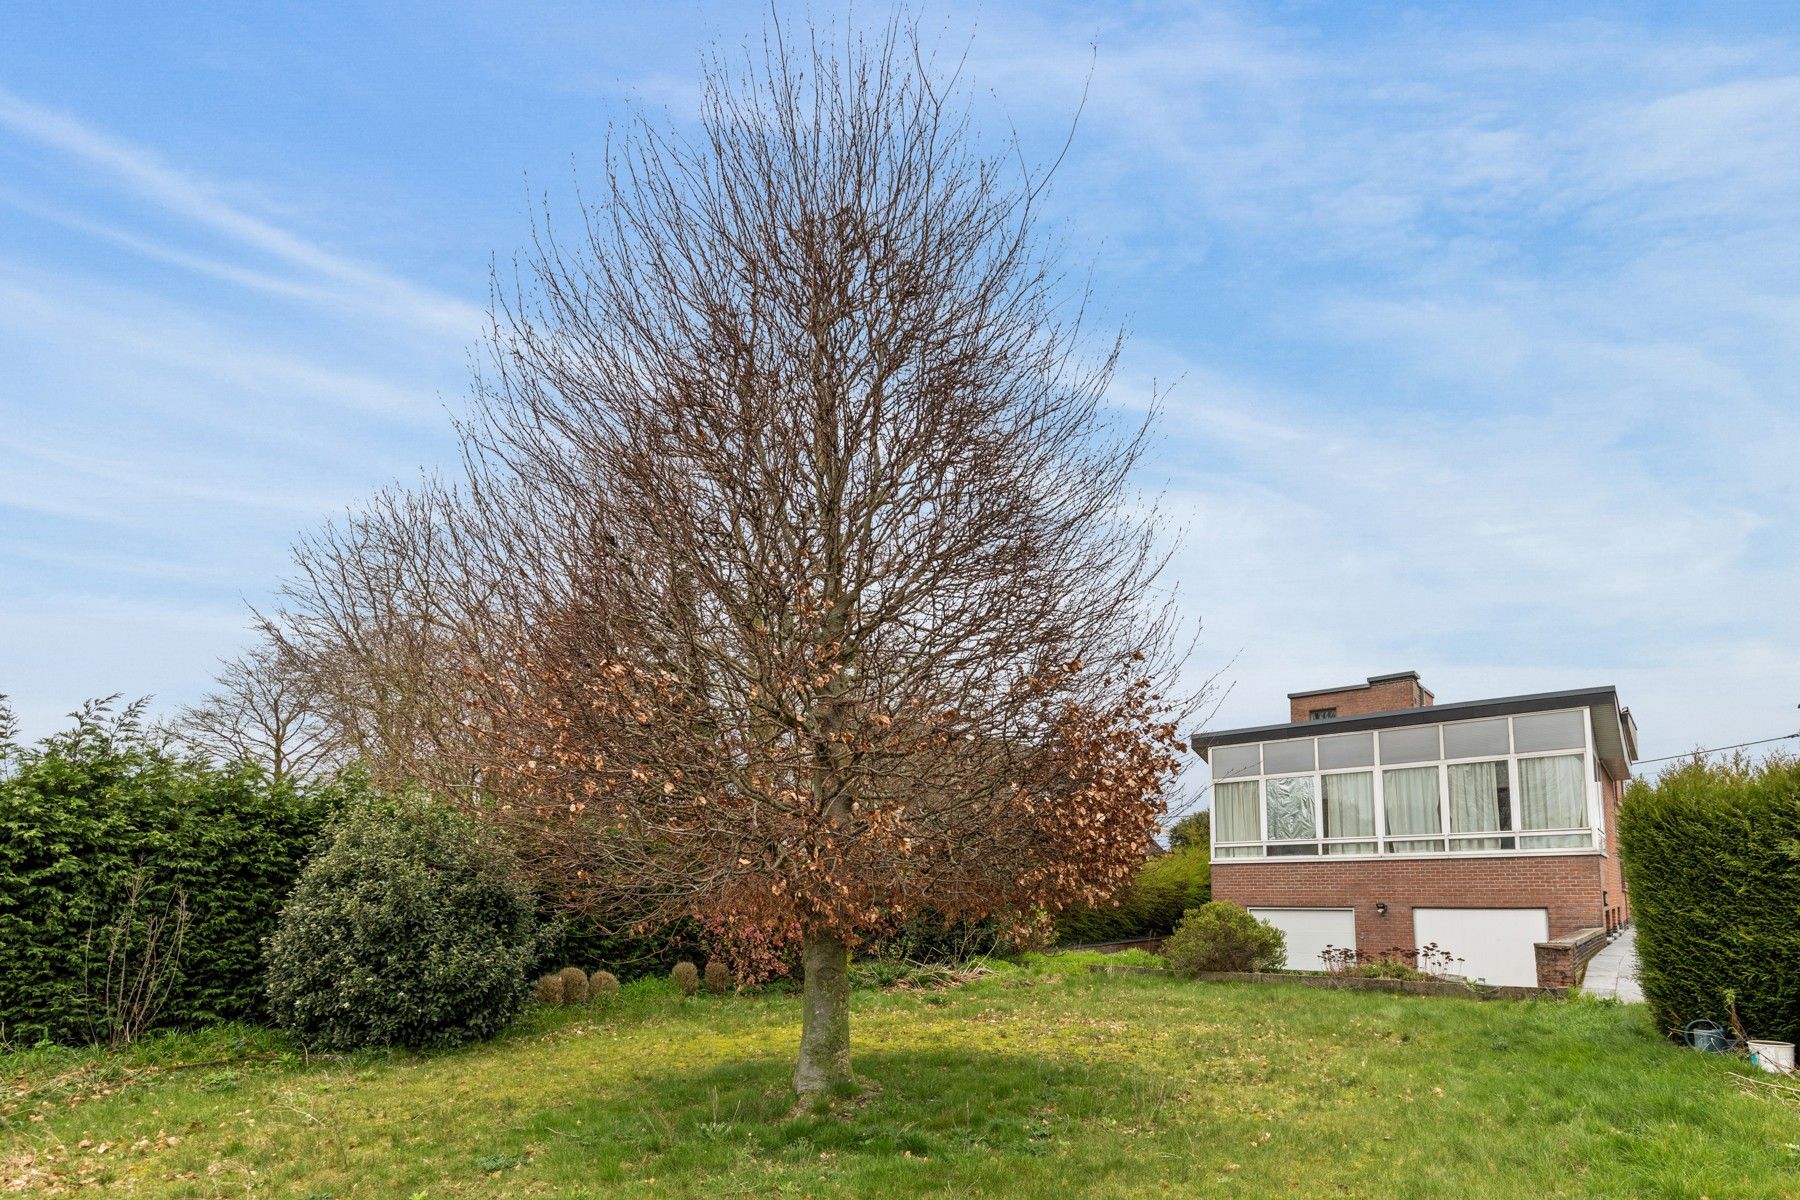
x=1618 y=904
x=1385 y=696
x=1566 y=885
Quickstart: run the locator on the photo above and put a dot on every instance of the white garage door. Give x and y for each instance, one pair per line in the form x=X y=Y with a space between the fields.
x=1495 y=944
x=1309 y=931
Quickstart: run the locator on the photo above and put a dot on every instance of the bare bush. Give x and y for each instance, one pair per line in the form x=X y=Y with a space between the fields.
x=134 y=962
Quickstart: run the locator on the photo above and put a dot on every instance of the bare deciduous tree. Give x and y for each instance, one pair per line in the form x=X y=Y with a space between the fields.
x=261 y=712
x=796 y=584
x=393 y=610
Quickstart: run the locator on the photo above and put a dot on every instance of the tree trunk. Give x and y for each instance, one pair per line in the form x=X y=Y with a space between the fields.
x=825 y=1025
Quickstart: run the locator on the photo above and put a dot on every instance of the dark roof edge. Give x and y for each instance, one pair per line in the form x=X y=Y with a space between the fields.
x=1463 y=710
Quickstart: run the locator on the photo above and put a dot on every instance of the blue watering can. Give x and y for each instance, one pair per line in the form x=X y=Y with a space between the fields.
x=1709 y=1036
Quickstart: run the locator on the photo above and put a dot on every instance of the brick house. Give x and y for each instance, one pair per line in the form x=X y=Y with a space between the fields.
x=1378 y=818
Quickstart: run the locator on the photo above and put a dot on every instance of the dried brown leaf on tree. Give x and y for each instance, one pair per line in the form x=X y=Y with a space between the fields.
x=796 y=583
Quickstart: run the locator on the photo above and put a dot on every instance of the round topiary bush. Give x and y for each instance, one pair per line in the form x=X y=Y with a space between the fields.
x=548 y=990
x=687 y=977
x=407 y=928
x=1220 y=936
x=602 y=984
x=718 y=976
x=575 y=985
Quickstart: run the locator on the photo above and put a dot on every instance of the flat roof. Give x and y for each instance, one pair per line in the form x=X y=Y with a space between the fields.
x=1615 y=735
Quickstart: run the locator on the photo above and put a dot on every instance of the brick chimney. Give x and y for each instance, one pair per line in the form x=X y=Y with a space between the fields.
x=1382 y=693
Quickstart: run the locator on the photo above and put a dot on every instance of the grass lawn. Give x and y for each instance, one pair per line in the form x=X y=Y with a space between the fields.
x=1040 y=1082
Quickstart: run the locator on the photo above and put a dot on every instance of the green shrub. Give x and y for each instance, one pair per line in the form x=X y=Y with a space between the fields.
x=84 y=814
x=548 y=990
x=602 y=984
x=717 y=976
x=1165 y=888
x=406 y=929
x=1712 y=860
x=1193 y=830
x=1220 y=936
x=574 y=985
x=687 y=977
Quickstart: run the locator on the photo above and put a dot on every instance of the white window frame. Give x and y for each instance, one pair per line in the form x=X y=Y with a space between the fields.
x=1594 y=829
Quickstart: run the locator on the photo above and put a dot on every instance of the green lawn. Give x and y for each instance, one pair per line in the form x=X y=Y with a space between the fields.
x=1043 y=1082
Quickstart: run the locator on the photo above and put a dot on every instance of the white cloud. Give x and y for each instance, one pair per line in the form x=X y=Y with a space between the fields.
x=1504 y=393
x=142 y=173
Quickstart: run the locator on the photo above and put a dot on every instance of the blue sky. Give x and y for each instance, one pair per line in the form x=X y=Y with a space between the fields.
x=1483 y=322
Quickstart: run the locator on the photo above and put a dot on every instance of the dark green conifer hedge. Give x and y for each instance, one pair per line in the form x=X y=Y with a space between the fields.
x=86 y=811
x=1712 y=863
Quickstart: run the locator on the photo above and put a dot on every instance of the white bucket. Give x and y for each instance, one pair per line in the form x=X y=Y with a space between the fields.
x=1777 y=1057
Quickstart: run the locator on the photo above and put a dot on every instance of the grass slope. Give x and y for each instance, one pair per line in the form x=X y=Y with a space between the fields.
x=1041 y=1082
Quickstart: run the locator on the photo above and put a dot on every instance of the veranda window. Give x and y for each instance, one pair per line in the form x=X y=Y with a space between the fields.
x=1235 y=819
x=1480 y=800
x=1553 y=795
x=1410 y=798
x=1349 y=811
x=1488 y=785
x=1293 y=813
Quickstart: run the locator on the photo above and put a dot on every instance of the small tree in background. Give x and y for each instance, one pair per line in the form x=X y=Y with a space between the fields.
x=263 y=712
x=1193 y=831
x=395 y=612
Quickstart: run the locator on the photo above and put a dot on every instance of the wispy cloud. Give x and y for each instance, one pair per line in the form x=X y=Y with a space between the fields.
x=199 y=264
x=164 y=434
x=1501 y=388
x=143 y=173
x=1483 y=325
x=151 y=329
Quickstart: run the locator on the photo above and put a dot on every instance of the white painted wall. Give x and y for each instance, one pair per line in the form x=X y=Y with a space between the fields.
x=1309 y=931
x=1495 y=944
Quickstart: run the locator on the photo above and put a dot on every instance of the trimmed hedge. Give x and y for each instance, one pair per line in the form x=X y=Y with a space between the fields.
x=1165 y=888
x=84 y=811
x=1712 y=859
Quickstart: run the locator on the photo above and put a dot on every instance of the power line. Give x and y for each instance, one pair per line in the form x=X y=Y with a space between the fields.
x=1739 y=746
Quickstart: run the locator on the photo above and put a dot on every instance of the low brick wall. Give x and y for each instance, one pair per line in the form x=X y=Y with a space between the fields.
x=1562 y=961
x=1354 y=983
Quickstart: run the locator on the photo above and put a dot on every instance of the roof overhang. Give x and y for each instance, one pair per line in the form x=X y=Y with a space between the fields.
x=1615 y=733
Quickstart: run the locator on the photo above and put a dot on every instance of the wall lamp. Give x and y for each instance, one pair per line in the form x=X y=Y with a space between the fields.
x=1381 y=908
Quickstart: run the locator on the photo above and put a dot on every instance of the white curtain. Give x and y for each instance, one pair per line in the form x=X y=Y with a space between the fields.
x=1410 y=800
x=1234 y=812
x=1475 y=802
x=1349 y=805
x=1553 y=794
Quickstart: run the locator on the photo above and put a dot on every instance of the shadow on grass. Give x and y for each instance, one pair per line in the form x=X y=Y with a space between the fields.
x=921 y=1105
